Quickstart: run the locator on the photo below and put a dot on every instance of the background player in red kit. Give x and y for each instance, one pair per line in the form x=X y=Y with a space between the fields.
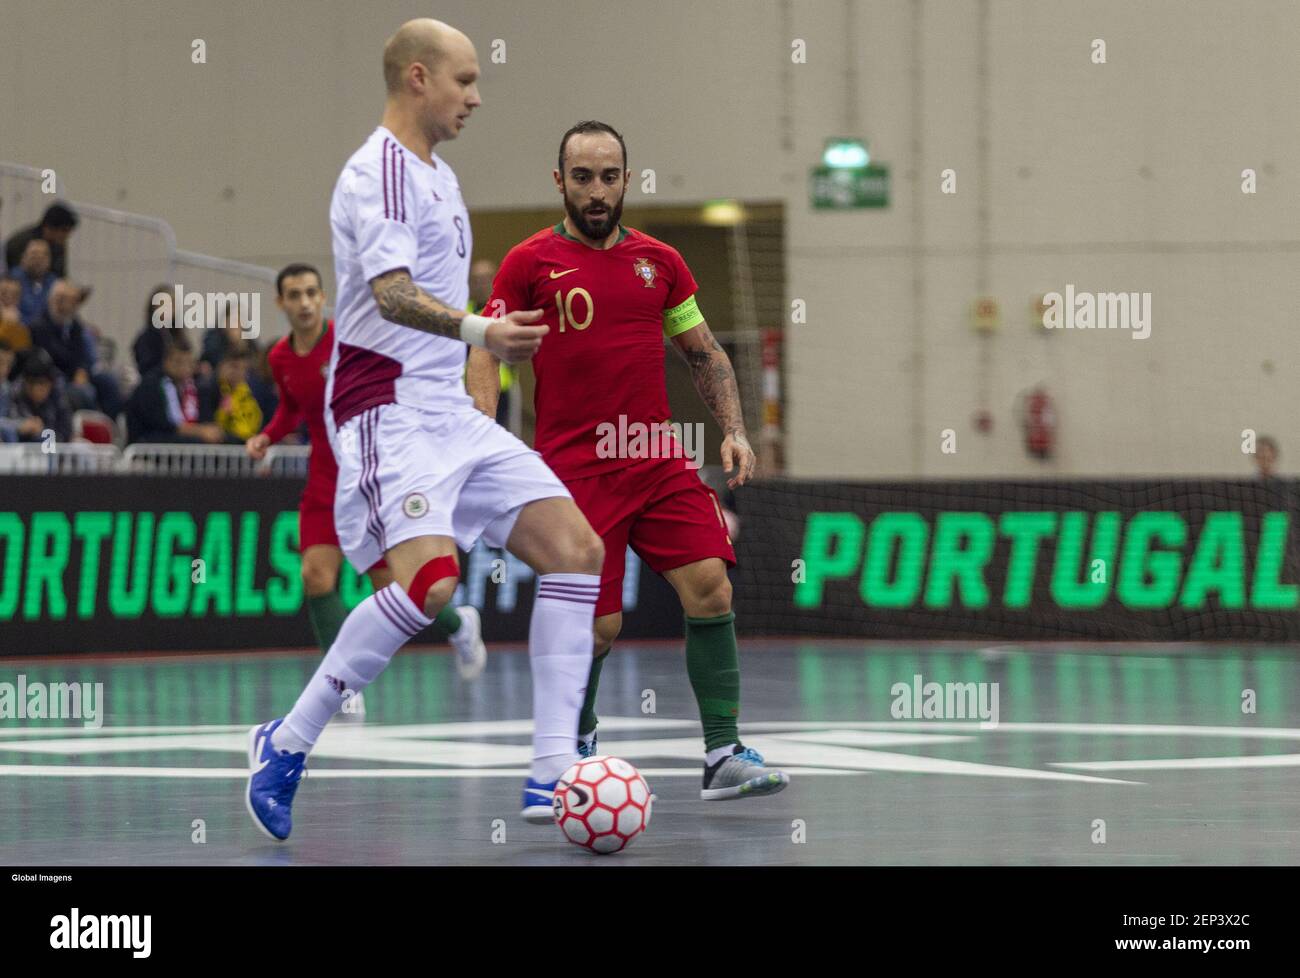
x=611 y=295
x=299 y=363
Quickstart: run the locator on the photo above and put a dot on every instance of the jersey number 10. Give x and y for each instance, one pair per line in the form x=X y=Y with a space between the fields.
x=564 y=306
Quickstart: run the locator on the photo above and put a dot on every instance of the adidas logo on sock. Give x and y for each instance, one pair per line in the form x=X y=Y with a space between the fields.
x=338 y=685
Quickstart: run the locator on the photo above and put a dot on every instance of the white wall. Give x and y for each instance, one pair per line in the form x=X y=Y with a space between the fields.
x=1192 y=92
x=1123 y=176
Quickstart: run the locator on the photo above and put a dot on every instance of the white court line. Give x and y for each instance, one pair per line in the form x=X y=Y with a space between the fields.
x=1187 y=763
x=524 y=727
x=473 y=728
x=217 y=773
x=85 y=731
x=1096 y=729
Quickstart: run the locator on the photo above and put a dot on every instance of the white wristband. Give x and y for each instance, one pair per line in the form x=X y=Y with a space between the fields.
x=473 y=330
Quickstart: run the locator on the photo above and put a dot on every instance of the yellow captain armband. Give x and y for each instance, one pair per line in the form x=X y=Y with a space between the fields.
x=681 y=318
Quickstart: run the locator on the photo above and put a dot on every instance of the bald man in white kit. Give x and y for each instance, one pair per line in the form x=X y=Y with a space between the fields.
x=420 y=469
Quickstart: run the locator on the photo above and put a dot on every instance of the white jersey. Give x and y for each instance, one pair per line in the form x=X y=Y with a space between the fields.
x=391 y=210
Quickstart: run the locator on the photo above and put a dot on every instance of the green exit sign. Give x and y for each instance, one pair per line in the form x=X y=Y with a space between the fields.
x=837 y=188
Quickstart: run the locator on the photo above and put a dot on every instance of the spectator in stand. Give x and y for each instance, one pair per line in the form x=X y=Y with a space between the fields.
x=38 y=405
x=101 y=351
x=8 y=427
x=228 y=400
x=106 y=361
x=35 y=278
x=55 y=228
x=65 y=338
x=165 y=407
x=12 y=330
x=225 y=336
x=1266 y=456
x=151 y=342
x=229 y=337
x=481 y=274
x=262 y=382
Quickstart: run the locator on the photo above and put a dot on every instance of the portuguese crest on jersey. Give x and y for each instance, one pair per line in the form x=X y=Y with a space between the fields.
x=645 y=270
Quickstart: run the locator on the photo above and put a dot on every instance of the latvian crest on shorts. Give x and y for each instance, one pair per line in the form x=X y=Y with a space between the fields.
x=415 y=505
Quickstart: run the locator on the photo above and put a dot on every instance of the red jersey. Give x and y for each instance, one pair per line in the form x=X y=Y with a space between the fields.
x=604 y=357
x=301 y=381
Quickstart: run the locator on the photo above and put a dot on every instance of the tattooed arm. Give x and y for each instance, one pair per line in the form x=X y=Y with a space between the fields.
x=715 y=379
x=401 y=301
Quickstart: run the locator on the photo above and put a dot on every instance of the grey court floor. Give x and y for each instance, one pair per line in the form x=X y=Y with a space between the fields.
x=1101 y=755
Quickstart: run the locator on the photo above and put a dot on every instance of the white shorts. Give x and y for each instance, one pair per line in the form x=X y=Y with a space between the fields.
x=405 y=473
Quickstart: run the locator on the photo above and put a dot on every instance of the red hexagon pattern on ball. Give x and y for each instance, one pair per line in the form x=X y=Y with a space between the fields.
x=618 y=804
x=612 y=792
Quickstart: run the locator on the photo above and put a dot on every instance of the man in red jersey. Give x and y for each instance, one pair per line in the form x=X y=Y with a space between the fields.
x=299 y=363
x=610 y=296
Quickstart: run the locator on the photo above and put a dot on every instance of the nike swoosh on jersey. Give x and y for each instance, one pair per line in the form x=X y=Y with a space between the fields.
x=563 y=273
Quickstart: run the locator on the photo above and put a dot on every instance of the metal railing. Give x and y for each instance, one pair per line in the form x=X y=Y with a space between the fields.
x=23 y=196
x=200 y=461
x=123 y=255
x=287 y=461
x=73 y=458
x=204 y=273
x=208 y=461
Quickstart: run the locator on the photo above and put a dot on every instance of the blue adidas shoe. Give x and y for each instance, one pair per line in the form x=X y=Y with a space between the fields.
x=272 y=783
x=587 y=748
x=539 y=798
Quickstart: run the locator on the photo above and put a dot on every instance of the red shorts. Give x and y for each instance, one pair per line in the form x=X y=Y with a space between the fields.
x=659 y=507
x=316 y=519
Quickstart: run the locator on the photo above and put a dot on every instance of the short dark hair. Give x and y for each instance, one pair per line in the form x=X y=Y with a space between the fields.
x=175 y=341
x=584 y=128
x=59 y=216
x=297 y=268
x=1270 y=441
x=38 y=365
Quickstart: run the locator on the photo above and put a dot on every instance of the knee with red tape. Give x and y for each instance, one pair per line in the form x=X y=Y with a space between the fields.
x=429 y=575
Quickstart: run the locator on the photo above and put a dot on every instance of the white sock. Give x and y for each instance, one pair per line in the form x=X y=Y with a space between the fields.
x=371 y=634
x=718 y=753
x=559 y=646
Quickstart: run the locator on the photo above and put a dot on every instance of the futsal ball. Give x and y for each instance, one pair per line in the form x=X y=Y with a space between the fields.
x=602 y=804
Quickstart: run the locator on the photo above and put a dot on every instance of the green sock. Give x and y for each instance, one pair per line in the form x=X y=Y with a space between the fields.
x=714 y=670
x=587 y=720
x=326 y=614
x=448 y=620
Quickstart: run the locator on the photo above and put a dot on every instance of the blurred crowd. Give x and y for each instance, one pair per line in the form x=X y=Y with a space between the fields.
x=61 y=374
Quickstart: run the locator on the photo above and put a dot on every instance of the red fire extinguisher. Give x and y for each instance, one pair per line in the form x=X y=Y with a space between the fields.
x=1039 y=422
